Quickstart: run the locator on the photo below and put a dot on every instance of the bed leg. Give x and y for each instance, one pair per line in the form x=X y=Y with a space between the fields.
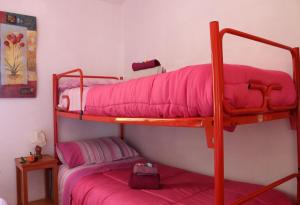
x=219 y=168
x=122 y=131
x=298 y=189
x=296 y=72
x=55 y=118
x=298 y=153
x=218 y=84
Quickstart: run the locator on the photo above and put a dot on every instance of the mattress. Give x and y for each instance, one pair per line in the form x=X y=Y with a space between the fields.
x=107 y=184
x=186 y=92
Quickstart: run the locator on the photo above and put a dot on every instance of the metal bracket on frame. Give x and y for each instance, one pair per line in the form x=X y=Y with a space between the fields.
x=209 y=132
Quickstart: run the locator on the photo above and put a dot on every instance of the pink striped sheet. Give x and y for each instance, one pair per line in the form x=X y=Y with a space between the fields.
x=93 y=151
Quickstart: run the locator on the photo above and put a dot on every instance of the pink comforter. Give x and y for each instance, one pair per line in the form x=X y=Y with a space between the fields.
x=178 y=187
x=186 y=92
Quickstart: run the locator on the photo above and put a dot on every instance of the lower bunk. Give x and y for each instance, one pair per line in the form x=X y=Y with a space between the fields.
x=107 y=182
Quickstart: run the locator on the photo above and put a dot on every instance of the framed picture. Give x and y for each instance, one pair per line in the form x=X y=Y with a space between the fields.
x=18 y=77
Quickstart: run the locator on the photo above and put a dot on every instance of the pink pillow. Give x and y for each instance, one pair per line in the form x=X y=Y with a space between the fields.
x=104 y=149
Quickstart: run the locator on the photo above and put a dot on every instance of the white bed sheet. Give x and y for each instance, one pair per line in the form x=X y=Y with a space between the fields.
x=74 y=96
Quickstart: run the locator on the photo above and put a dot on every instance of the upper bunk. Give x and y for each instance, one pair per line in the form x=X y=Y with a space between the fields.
x=179 y=98
x=276 y=94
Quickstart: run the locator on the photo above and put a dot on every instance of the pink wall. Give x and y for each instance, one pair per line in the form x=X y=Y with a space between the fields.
x=71 y=33
x=177 y=33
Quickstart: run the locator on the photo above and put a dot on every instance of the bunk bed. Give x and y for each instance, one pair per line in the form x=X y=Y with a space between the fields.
x=223 y=114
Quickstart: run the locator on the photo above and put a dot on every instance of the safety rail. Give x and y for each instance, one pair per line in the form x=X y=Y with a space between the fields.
x=77 y=70
x=55 y=80
x=220 y=104
x=264 y=189
x=81 y=77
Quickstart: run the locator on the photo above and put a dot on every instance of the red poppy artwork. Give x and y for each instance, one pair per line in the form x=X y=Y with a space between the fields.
x=14 y=56
x=17 y=56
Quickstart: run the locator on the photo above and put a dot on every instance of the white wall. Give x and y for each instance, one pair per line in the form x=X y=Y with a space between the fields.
x=94 y=34
x=177 y=33
x=71 y=33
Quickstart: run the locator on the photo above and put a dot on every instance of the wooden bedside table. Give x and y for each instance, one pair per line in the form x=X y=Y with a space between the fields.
x=48 y=163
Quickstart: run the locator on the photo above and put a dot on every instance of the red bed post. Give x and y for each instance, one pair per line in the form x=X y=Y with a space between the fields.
x=218 y=82
x=121 y=131
x=296 y=69
x=55 y=118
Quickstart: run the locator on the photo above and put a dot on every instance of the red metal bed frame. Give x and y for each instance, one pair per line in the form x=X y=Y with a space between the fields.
x=213 y=125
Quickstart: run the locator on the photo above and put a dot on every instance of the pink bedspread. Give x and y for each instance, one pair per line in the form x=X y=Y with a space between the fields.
x=186 y=92
x=109 y=187
x=69 y=177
